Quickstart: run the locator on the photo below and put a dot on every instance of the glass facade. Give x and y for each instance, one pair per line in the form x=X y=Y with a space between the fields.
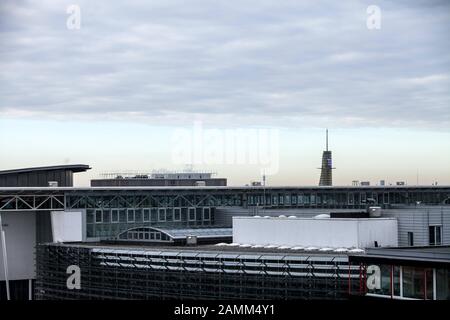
x=417 y=283
x=405 y=282
x=442 y=284
x=333 y=198
x=109 y=223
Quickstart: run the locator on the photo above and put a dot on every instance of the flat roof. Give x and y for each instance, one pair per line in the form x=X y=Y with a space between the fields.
x=198 y=232
x=428 y=254
x=293 y=218
x=71 y=167
x=189 y=188
x=205 y=249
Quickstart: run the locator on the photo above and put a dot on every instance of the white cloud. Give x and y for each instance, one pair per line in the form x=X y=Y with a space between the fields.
x=286 y=63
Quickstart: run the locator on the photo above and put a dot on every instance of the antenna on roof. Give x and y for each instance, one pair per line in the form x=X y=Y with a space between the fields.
x=327 y=139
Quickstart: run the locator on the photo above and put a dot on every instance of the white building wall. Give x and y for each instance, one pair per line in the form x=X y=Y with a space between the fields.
x=339 y=232
x=20 y=234
x=384 y=231
x=68 y=226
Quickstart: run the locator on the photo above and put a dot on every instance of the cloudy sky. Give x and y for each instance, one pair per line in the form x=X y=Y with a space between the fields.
x=114 y=92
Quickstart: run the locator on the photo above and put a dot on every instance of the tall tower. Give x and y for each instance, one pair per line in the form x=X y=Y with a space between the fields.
x=326 y=177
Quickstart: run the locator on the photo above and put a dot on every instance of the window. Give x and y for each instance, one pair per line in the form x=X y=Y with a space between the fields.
x=169 y=214
x=130 y=215
x=138 y=215
x=191 y=214
x=90 y=216
x=98 y=216
x=294 y=199
x=206 y=214
x=410 y=239
x=146 y=215
x=274 y=200
x=122 y=215
x=161 y=214
x=307 y=198
x=442 y=284
x=386 y=198
x=153 y=214
x=417 y=283
x=351 y=198
x=114 y=215
x=106 y=216
x=177 y=214
x=435 y=235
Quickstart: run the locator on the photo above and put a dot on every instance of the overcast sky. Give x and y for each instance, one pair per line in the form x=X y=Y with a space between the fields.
x=279 y=64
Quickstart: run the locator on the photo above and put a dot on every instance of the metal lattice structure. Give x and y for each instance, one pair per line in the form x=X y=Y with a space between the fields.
x=134 y=273
x=355 y=197
x=32 y=202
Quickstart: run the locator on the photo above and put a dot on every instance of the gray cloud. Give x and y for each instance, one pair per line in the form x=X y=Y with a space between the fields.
x=249 y=62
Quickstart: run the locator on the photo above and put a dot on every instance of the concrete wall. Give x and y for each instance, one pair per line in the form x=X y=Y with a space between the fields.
x=340 y=232
x=20 y=231
x=384 y=231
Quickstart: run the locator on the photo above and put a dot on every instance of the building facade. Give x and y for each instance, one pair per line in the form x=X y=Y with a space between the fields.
x=408 y=273
x=124 y=272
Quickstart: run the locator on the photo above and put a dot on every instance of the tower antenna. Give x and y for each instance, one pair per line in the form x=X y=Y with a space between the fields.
x=327 y=139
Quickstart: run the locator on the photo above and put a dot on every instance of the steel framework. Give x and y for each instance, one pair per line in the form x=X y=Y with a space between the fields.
x=190 y=274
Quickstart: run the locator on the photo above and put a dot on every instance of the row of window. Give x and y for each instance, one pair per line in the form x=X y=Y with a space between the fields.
x=338 y=198
x=411 y=282
x=144 y=235
x=149 y=215
x=435 y=236
x=294 y=199
x=271 y=198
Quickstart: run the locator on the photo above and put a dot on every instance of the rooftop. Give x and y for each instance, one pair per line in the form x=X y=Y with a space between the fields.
x=436 y=254
x=71 y=167
x=231 y=188
x=233 y=249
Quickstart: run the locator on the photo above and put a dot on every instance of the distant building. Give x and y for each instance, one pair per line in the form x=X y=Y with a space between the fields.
x=326 y=177
x=162 y=218
x=51 y=176
x=365 y=183
x=159 y=179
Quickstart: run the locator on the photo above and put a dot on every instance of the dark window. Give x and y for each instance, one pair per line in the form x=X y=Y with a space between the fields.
x=435 y=235
x=162 y=214
x=177 y=214
x=410 y=239
x=98 y=216
x=146 y=215
x=122 y=215
x=191 y=214
x=106 y=215
x=130 y=215
x=138 y=215
x=114 y=215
